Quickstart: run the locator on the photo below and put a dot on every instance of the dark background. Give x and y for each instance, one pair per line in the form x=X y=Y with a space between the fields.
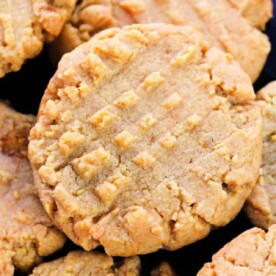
x=24 y=90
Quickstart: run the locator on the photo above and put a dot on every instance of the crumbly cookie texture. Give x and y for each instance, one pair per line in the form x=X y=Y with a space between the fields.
x=253 y=253
x=145 y=140
x=14 y=131
x=26 y=232
x=79 y=263
x=256 y=12
x=220 y=20
x=261 y=205
x=25 y=25
x=164 y=269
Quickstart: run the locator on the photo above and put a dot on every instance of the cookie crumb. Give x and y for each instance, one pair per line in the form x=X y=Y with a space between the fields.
x=127 y=100
x=168 y=141
x=70 y=141
x=89 y=164
x=5 y=178
x=144 y=160
x=147 y=122
x=124 y=139
x=152 y=81
x=173 y=101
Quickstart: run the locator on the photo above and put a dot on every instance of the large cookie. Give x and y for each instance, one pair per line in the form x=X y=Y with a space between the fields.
x=25 y=25
x=252 y=253
x=219 y=20
x=80 y=263
x=145 y=139
x=26 y=232
x=261 y=205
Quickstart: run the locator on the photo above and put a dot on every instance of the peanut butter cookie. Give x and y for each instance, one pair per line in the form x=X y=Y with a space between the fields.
x=252 y=253
x=26 y=232
x=219 y=20
x=261 y=205
x=80 y=263
x=25 y=25
x=145 y=140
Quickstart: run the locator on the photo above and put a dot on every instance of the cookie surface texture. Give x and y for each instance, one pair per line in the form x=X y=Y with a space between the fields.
x=251 y=253
x=80 y=263
x=261 y=205
x=145 y=139
x=256 y=12
x=26 y=231
x=220 y=20
x=25 y=25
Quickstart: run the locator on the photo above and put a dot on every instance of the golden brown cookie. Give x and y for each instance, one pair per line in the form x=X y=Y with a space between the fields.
x=253 y=253
x=145 y=140
x=256 y=12
x=25 y=25
x=26 y=232
x=219 y=20
x=80 y=263
x=164 y=269
x=261 y=205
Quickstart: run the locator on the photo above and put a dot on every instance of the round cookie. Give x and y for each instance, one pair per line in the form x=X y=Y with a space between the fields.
x=26 y=232
x=25 y=25
x=251 y=253
x=261 y=205
x=145 y=140
x=79 y=263
x=219 y=20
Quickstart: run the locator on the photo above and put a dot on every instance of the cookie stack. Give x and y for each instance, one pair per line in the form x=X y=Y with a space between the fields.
x=148 y=136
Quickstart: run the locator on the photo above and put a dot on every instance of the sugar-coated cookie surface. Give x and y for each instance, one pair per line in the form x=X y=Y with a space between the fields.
x=145 y=140
x=25 y=25
x=26 y=232
x=261 y=205
x=79 y=263
x=253 y=253
x=220 y=20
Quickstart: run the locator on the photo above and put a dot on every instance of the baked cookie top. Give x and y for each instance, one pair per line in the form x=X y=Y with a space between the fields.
x=220 y=20
x=261 y=205
x=25 y=25
x=251 y=253
x=26 y=232
x=79 y=263
x=145 y=139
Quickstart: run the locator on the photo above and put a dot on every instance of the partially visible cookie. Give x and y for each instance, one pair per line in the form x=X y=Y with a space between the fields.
x=261 y=205
x=219 y=20
x=256 y=12
x=80 y=263
x=164 y=269
x=26 y=232
x=253 y=253
x=145 y=139
x=14 y=131
x=25 y=25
